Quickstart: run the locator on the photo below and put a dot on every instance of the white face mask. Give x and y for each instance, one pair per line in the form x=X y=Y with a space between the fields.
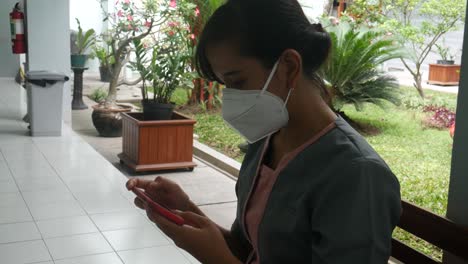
x=255 y=114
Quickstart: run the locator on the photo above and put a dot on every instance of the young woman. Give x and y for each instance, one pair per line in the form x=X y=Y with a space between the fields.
x=311 y=189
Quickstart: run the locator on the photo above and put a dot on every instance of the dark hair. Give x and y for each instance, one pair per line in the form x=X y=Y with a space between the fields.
x=264 y=29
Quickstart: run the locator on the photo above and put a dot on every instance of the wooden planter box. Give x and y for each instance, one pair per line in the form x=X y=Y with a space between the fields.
x=157 y=145
x=441 y=74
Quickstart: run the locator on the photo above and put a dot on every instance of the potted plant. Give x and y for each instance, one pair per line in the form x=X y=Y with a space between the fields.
x=129 y=22
x=445 y=71
x=83 y=41
x=447 y=57
x=106 y=61
x=159 y=138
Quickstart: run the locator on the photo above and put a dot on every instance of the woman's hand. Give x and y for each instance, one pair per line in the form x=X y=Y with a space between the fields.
x=199 y=236
x=163 y=191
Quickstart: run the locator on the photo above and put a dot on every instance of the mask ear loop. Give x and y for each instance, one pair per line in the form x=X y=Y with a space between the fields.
x=287 y=98
x=273 y=71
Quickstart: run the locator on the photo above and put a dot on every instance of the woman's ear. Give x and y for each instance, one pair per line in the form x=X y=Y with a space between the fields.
x=290 y=67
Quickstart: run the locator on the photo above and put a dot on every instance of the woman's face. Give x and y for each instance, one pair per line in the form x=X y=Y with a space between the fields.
x=244 y=73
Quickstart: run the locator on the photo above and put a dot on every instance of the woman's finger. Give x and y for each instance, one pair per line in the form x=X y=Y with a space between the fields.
x=159 y=179
x=193 y=219
x=155 y=187
x=138 y=183
x=166 y=226
x=139 y=203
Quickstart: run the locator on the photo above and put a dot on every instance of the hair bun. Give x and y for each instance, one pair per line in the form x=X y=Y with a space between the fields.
x=316 y=46
x=318 y=27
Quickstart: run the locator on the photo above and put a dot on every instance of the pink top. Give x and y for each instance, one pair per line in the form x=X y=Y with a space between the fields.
x=263 y=185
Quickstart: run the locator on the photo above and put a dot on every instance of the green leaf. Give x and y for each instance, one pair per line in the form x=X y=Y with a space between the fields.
x=353 y=71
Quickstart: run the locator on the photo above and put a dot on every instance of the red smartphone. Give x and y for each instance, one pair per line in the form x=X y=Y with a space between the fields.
x=176 y=219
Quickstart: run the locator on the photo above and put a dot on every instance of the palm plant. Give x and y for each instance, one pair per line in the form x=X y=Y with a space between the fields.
x=141 y=65
x=353 y=71
x=84 y=39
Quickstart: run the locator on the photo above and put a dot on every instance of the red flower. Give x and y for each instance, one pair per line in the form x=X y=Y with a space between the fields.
x=120 y=13
x=127 y=2
x=129 y=27
x=172 y=24
x=452 y=130
x=147 y=24
x=130 y=18
x=171 y=33
x=173 y=4
x=197 y=11
x=192 y=36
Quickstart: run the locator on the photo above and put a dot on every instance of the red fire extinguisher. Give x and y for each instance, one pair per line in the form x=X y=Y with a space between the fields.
x=18 y=38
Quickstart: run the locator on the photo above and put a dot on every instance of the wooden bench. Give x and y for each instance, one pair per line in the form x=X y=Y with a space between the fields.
x=438 y=231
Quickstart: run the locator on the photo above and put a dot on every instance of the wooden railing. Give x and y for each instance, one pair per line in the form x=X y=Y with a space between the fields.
x=438 y=231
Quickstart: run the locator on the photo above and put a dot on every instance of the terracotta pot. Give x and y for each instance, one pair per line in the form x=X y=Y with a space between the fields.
x=108 y=122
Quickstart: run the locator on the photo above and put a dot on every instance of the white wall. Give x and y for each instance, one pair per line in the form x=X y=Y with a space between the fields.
x=90 y=14
x=49 y=41
x=313 y=8
x=9 y=62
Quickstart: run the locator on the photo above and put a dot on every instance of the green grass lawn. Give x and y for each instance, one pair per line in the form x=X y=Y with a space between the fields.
x=419 y=157
x=211 y=128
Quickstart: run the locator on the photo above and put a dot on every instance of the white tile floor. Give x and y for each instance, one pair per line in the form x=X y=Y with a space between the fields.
x=62 y=203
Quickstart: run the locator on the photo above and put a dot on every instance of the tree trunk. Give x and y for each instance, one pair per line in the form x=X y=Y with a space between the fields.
x=418 y=84
x=210 y=95
x=194 y=99
x=219 y=90
x=130 y=83
x=112 y=95
x=328 y=8
x=202 y=91
x=341 y=8
x=417 y=76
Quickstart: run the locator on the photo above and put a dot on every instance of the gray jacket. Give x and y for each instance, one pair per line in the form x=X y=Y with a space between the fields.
x=336 y=202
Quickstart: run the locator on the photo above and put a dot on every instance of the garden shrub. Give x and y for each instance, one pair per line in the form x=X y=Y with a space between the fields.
x=440 y=118
x=98 y=95
x=353 y=72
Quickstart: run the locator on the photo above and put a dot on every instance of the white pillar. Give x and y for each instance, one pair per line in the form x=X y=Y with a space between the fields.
x=48 y=29
x=457 y=210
